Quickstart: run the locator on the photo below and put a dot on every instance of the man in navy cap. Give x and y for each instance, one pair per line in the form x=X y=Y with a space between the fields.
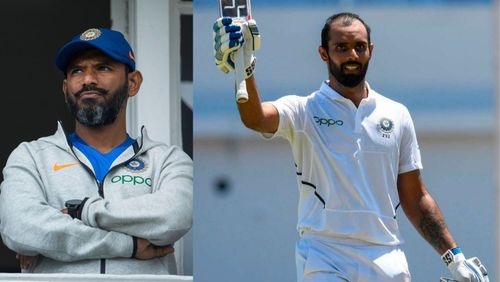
x=96 y=200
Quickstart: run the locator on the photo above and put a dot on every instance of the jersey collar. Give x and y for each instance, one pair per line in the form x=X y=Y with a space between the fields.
x=330 y=93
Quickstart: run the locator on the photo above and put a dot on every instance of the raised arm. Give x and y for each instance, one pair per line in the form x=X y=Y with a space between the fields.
x=30 y=226
x=161 y=217
x=228 y=39
x=258 y=116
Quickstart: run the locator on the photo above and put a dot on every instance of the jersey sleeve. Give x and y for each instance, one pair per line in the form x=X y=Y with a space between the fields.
x=290 y=109
x=409 y=157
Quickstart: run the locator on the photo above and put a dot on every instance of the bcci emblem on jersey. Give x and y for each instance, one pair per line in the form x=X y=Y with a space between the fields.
x=385 y=126
x=136 y=165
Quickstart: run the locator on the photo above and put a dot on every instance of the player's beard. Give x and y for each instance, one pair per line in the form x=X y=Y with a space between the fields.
x=348 y=79
x=93 y=113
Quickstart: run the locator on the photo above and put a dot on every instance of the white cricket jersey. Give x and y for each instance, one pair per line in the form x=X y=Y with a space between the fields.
x=347 y=161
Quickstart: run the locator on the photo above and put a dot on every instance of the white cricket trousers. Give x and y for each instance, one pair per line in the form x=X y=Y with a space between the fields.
x=329 y=260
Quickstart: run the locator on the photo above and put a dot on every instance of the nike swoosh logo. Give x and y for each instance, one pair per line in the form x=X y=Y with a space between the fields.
x=61 y=166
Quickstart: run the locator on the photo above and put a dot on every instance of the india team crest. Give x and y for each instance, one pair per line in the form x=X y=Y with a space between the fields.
x=136 y=165
x=385 y=125
x=90 y=34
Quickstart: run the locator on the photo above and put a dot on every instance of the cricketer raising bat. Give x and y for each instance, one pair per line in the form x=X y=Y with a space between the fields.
x=239 y=11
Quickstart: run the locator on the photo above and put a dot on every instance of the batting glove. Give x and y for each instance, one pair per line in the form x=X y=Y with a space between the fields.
x=464 y=270
x=229 y=37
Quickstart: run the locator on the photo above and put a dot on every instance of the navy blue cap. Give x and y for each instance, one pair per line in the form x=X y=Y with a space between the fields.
x=110 y=42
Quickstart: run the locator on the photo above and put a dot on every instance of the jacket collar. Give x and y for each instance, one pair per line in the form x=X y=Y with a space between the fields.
x=143 y=142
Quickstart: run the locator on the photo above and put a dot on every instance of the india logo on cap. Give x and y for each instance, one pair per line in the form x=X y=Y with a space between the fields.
x=90 y=34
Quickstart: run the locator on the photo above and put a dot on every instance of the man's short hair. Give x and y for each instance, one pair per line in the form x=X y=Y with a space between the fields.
x=346 y=18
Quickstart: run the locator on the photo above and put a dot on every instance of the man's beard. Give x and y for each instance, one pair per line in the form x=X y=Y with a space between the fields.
x=348 y=80
x=92 y=113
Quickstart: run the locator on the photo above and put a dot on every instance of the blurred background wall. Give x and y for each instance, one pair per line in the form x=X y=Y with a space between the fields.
x=436 y=57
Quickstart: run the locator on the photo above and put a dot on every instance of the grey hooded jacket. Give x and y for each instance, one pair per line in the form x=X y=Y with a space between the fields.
x=147 y=193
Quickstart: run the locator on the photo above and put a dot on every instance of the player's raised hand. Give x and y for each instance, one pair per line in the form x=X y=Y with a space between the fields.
x=229 y=36
x=465 y=270
x=250 y=44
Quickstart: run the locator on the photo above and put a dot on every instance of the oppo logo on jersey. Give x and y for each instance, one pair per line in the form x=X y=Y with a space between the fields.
x=134 y=180
x=328 y=121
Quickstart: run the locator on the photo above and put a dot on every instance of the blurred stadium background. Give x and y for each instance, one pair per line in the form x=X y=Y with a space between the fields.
x=439 y=58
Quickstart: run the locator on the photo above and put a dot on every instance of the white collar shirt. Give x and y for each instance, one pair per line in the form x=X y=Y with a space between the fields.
x=347 y=161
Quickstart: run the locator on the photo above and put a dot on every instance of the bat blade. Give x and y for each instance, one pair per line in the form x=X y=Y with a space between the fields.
x=236 y=9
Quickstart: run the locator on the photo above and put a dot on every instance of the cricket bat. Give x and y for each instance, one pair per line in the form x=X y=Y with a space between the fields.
x=239 y=11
